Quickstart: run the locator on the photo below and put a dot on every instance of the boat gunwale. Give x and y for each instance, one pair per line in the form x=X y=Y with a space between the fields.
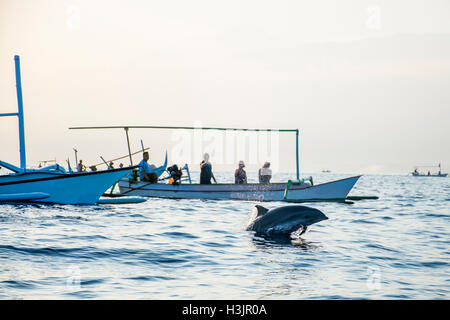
x=57 y=175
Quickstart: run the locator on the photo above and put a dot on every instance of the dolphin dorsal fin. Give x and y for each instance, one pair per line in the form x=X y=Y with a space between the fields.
x=260 y=210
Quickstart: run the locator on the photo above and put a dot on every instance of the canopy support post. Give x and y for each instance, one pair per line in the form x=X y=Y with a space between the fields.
x=128 y=143
x=23 y=161
x=296 y=149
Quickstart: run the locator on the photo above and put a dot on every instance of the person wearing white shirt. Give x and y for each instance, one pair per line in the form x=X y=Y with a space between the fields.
x=265 y=173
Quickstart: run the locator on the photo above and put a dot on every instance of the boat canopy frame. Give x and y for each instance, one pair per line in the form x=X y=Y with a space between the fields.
x=126 y=128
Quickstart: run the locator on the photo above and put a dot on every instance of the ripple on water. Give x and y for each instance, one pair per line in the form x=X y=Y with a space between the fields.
x=214 y=244
x=437 y=215
x=19 y=284
x=179 y=235
x=379 y=246
x=62 y=217
x=434 y=264
x=91 y=282
x=40 y=251
x=365 y=221
x=150 y=278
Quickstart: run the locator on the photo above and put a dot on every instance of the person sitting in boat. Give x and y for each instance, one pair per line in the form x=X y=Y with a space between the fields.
x=265 y=173
x=415 y=171
x=145 y=170
x=93 y=168
x=240 y=176
x=175 y=175
x=111 y=165
x=81 y=167
x=206 y=171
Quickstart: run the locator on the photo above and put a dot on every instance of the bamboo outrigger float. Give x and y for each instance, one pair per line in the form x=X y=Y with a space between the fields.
x=298 y=190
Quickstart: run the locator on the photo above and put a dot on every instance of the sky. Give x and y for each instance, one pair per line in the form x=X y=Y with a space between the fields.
x=366 y=82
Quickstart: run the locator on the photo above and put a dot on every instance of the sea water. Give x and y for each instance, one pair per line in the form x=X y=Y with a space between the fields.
x=396 y=247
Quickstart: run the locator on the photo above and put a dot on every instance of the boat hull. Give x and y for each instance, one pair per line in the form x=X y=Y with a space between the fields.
x=74 y=188
x=334 y=190
x=442 y=175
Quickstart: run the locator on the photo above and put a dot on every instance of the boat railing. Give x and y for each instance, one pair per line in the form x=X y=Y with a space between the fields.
x=188 y=178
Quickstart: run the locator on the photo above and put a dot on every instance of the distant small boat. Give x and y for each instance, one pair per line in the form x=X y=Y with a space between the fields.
x=326 y=170
x=416 y=173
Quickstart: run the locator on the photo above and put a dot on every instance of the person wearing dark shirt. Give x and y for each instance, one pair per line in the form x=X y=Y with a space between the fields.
x=206 y=171
x=240 y=176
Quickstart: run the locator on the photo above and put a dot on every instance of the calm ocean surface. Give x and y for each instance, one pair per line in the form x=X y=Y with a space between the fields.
x=396 y=247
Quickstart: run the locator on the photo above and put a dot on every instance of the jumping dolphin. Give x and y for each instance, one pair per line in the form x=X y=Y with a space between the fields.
x=283 y=220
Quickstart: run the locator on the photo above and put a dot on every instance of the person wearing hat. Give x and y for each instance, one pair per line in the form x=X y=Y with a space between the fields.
x=240 y=176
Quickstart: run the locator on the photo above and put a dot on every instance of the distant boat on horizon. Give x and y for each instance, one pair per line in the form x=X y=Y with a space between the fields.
x=416 y=173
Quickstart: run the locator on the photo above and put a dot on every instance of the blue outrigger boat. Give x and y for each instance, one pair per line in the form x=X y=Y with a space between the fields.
x=51 y=184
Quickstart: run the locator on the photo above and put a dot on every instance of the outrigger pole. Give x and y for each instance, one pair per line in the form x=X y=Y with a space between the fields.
x=19 y=114
x=97 y=164
x=199 y=128
x=296 y=153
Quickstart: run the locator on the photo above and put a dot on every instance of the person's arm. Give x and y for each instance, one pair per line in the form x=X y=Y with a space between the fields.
x=236 y=172
x=214 y=178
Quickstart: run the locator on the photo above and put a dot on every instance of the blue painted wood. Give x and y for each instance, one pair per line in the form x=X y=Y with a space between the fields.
x=296 y=152
x=23 y=161
x=23 y=196
x=123 y=200
x=8 y=114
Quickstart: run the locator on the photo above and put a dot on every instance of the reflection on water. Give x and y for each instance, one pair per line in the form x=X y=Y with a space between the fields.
x=264 y=242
